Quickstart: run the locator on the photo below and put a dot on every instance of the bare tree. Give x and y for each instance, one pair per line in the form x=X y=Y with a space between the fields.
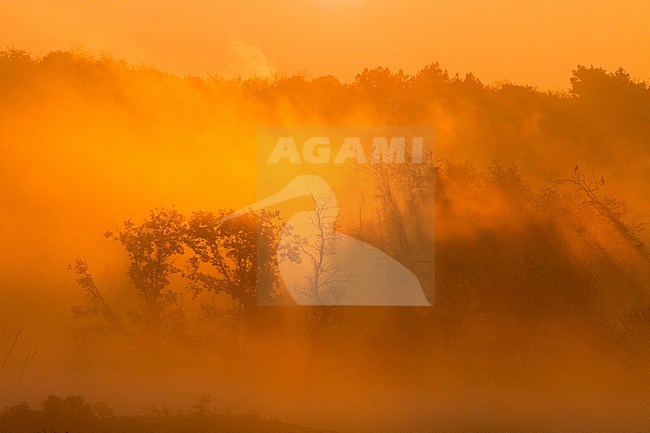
x=588 y=195
x=325 y=279
x=402 y=191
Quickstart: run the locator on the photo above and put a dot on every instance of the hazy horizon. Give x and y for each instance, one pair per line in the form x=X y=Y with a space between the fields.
x=535 y=45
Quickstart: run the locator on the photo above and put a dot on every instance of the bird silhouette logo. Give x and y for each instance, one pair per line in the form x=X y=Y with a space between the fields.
x=334 y=268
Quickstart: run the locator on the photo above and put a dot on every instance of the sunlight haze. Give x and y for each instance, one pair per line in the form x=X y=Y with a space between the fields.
x=535 y=43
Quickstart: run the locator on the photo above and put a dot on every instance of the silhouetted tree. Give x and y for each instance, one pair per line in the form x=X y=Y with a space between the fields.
x=588 y=194
x=324 y=278
x=152 y=247
x=237 y=257
x=98 y=306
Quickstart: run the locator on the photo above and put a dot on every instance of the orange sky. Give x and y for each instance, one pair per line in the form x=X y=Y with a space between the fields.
x=528 y=42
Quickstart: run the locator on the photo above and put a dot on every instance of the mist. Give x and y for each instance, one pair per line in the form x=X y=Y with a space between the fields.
x=538 y=266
